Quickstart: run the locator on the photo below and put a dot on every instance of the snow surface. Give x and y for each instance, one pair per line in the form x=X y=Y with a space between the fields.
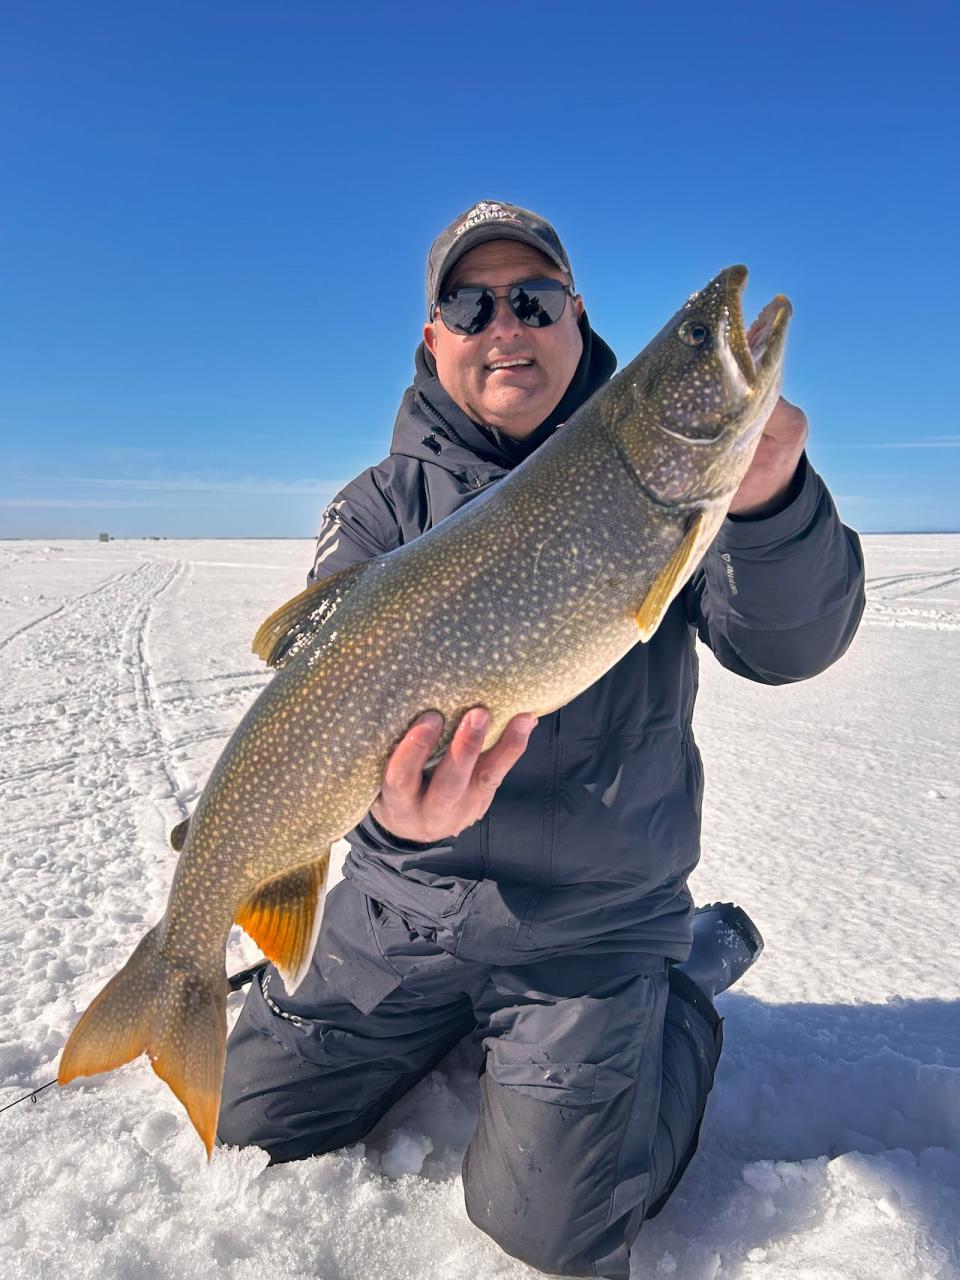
x=831 y=1146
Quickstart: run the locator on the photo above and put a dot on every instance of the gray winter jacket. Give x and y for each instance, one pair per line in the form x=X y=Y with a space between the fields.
x=591 y=837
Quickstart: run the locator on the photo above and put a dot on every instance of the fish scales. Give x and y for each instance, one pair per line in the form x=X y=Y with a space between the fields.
x=421 y=600
x=573 y=614
x=517 y=602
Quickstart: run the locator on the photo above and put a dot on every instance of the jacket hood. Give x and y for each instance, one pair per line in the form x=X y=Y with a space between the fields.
x=431 y=426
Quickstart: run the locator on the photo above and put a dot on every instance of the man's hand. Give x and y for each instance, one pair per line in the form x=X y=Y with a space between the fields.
x=463 y=783
x=764 y=487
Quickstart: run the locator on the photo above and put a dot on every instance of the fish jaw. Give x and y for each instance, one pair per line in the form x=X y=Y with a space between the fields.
x=742 y=362
x=688 y=412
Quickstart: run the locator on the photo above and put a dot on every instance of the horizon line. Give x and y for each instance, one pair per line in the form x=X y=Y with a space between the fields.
x=308 y=537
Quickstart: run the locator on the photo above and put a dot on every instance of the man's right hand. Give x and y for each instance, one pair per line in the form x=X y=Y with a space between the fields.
x=463 y=784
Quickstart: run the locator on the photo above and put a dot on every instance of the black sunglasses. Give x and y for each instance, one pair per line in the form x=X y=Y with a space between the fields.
x=538 y=303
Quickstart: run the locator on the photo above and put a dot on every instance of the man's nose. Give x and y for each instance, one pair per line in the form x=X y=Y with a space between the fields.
x=504 y=323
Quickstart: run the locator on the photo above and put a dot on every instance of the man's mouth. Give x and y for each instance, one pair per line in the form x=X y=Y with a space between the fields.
x=515 y=362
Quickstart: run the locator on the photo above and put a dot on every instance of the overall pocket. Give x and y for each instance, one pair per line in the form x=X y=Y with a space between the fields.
x=348 y=955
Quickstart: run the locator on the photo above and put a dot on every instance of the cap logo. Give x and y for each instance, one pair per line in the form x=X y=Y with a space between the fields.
x=486 y=211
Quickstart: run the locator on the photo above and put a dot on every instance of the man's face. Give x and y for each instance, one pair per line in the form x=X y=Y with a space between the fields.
x=515 y=399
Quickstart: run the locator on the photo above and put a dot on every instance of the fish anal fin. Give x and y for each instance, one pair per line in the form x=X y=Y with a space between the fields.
x=283 y=918
x=672 y=577
x=303 y=616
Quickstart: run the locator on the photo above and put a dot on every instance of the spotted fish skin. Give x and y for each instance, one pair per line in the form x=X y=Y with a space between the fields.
x=517 y=602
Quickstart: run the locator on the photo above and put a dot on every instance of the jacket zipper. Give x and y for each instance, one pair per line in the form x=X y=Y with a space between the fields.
x=551 y=809
x=549 y=834
x=550 y=871
x=483 y=841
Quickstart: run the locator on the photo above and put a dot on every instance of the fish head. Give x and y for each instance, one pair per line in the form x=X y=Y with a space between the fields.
x=689 y=410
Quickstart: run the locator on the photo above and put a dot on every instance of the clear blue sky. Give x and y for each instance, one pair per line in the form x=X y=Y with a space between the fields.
x=215 y=216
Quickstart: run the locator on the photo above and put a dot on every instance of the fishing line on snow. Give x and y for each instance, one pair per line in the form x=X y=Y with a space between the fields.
x=235 y=982
x=31 y=1096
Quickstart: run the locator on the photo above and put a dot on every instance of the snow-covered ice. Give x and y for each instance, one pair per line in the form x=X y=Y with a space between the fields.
x=831 y=1146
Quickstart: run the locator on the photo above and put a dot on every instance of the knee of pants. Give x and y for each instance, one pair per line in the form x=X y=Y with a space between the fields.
x=558 y=1167
x=559 y=1256
x=549 y=1250
x=289 y=1098
x=542 y=1203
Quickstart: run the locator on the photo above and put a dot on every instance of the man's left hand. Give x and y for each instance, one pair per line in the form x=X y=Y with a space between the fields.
x=767 y=482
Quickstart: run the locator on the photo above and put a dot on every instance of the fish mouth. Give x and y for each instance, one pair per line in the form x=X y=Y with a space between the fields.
x=759 y=349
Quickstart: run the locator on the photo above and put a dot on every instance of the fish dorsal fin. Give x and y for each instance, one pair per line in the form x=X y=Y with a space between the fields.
x=671 y=578
x=178 y=836
x=283 y=916
x=297 y=621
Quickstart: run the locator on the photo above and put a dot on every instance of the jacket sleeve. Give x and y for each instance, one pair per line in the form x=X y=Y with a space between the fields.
x=779 y=598
x=359 y=524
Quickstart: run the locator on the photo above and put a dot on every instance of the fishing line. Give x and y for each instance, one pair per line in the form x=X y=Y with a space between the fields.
x=31 y=1096
x=235 y=982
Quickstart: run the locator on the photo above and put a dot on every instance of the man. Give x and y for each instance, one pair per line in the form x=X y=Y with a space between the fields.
x=535 y=894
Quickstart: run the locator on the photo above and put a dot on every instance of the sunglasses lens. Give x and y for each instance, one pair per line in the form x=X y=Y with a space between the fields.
x=467 y=310
x=538 y=303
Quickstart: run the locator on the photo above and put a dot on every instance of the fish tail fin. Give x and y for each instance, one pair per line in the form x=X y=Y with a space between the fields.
x=176 y=1015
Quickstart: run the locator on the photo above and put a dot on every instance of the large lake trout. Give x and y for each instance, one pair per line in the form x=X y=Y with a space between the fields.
x=517 y=602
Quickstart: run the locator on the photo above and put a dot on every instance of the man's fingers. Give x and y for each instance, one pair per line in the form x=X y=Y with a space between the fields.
x=463 y=783
x=452 y=775
x=495 y=764
x=404 y=771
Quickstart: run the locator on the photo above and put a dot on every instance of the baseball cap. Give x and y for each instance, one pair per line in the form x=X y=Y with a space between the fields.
x=489 y=220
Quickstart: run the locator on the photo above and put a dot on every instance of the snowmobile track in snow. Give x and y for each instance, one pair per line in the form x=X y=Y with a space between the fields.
x=135 y=659
x=888 y=597
x=66 y=606
x=932 y=579
x=113 y=617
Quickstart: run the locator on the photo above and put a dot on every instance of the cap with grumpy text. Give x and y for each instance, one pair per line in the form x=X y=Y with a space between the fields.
x=489 y=220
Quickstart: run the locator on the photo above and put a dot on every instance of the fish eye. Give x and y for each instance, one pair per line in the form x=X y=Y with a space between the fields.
x=694 y=332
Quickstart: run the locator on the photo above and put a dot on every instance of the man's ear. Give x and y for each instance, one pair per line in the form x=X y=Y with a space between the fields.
x=430 y=337
x=578 y=306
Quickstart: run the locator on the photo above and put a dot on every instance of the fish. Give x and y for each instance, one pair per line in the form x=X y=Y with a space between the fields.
x=516 y=602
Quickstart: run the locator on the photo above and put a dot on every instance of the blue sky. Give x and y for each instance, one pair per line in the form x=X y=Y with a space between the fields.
x=215 y=219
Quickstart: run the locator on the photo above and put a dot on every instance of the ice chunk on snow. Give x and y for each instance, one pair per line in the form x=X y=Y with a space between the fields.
x=762 y=1176
x=405 y=1153
x=154 y=1131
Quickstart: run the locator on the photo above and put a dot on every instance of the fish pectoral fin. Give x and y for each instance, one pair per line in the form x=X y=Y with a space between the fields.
x=671 y=578
x=178 y=836
x=303 y=616
x=283 y=917
x=177 y=1016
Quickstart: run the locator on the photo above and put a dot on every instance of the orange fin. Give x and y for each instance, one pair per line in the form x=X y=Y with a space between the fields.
x=283 y=917
x=178 y=836
x=176 y=1016
x=295 y=623
x=671 y=578
x=188 y=1046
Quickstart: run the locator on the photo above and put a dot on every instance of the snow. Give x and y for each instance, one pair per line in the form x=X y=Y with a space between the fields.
x=831 y=1146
